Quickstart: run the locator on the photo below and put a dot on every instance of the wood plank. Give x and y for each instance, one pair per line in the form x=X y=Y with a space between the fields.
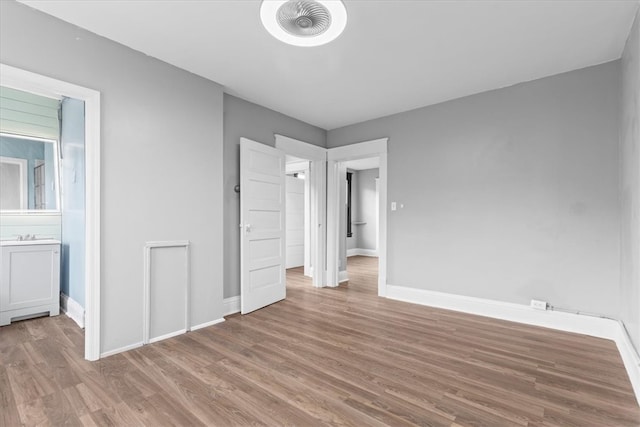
x=338 y=356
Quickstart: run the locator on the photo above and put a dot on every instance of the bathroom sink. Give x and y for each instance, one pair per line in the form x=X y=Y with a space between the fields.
x=29 y=242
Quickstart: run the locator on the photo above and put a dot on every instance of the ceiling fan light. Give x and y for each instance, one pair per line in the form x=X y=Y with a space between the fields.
x=304 y=22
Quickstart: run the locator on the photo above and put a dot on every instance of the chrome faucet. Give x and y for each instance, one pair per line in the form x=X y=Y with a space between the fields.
x=26 y=237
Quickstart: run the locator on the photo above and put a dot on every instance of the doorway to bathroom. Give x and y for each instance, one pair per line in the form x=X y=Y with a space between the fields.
x=77 y=215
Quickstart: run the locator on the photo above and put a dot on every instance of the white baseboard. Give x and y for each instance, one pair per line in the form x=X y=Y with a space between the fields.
x=231 y=305
x=167 y=336
x=597 y=327
x=160 y=338
x=72 y=309
x=362 y=252
x=206 y=324
x=121 y=349
x=520 y=313
x=343 y=276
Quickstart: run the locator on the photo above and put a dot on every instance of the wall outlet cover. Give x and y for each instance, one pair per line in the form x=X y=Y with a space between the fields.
x=538 y=305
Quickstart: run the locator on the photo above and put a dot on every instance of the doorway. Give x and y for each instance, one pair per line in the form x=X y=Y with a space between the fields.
x=297 y=214
x=26 y=81
x=339 y=159
x=311 y=161
x=359 y=221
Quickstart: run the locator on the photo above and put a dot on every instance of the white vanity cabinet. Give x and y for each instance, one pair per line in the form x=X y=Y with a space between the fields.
x=29 y=279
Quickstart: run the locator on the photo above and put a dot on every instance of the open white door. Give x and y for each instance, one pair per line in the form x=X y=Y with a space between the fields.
x=262 y=225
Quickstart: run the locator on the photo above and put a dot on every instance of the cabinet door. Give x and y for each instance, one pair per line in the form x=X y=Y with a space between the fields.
x=30 y=276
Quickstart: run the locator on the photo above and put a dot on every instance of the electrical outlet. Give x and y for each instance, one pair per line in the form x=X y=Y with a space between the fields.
x=538 y=305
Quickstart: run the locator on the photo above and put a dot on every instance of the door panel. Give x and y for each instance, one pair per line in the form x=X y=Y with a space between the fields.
x=262 y=225
x=168 y=289
x=295 y=221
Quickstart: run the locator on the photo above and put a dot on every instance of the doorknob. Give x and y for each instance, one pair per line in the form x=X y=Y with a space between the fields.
x=247 y=227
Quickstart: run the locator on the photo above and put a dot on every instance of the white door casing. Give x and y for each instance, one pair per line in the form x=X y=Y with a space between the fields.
x=335 y=211
x=262 y=225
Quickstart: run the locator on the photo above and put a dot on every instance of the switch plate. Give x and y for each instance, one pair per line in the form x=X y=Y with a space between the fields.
x=393 y=206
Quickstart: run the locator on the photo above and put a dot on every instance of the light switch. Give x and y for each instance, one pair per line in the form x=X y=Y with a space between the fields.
x=393 y=206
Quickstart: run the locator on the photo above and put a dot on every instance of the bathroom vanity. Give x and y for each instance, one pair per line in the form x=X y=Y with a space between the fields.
x=29 y=279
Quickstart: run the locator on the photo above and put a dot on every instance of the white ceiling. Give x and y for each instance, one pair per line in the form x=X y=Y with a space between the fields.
x=393 y=56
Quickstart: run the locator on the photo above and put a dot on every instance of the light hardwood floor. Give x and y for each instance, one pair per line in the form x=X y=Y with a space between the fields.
x=323 y=356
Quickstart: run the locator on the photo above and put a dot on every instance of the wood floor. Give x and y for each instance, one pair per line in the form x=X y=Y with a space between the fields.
x=322 y=357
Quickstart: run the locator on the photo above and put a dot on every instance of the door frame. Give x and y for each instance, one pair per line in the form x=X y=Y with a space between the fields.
x=335 y=156
x=17 y=78
x=317 y=157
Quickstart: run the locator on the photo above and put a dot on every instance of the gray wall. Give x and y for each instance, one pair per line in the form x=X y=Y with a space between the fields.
x=245 y=119
x=366 y=201
x=630 y=183
x=510 y=194
x=161 y=159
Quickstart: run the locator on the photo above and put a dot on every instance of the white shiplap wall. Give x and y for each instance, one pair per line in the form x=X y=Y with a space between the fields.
x=23 y=113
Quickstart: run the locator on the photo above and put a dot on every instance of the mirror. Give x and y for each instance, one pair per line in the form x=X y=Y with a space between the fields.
x=28 y=174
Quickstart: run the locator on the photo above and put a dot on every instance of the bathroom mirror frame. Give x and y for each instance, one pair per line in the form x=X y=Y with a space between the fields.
x=56 y=177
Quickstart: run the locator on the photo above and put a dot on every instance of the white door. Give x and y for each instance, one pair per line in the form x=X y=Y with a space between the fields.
x=262 y=225
x=296 y=241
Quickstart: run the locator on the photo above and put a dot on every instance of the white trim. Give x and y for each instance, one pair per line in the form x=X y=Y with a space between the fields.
x=520 y=313
x=301 y=149
x=335 y=156
x=231 y=305
x=382 y=226
x=307 y=270
x=146 y=289
x=594 y=326
x=72 y=309
x=299 y=166
x=317 y=179
x=167 y=336
x=360 y=150
x=334 y=213
x=362 y=252
x=121 y=349
x=343 y=276
x=207 y=324
x=35 y=83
